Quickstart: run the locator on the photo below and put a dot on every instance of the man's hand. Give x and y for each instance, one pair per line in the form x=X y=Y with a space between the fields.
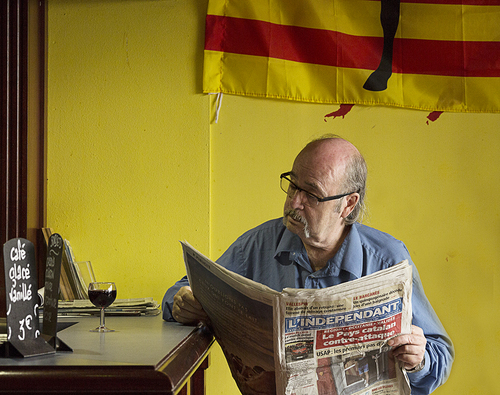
x=186 y=309
x=409 y=350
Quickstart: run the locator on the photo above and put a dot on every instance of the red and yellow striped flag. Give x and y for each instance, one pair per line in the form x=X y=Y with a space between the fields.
x=436 y=55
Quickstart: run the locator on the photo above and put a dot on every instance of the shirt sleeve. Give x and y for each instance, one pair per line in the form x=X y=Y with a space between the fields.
x=439 y=353
x=168 y=299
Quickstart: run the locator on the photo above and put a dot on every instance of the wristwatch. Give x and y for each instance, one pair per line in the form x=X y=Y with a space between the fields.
x=417 y=368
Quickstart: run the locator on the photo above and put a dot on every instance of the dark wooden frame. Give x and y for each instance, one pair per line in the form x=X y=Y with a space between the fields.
x=22 y=124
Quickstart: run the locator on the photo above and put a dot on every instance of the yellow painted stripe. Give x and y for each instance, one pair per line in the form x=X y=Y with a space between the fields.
x=262 y=77
x=361 y=17
x=450 y=22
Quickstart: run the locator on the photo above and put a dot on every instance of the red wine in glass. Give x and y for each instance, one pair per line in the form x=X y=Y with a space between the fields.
x=102 y=294
x=102 y=298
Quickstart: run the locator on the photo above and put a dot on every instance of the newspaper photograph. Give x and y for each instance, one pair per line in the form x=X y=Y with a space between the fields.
x=306 y=341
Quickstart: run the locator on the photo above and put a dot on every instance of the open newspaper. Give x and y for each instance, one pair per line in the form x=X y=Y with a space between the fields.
x=307 y=341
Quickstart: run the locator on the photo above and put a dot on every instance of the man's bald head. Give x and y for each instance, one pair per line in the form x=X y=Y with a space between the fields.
x=340 y=158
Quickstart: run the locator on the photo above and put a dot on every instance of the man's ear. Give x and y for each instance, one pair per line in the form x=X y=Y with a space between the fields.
x=351 y=202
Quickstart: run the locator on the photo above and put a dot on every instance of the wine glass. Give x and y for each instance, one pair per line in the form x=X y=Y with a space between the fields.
x=102 y=294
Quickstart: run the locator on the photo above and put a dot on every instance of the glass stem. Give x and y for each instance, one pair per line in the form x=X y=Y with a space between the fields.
x=102 y=317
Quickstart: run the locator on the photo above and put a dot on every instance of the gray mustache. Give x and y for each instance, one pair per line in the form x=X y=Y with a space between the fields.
x=295 y=215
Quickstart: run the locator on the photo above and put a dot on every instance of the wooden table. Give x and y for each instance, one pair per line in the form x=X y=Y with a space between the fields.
x=144 y=355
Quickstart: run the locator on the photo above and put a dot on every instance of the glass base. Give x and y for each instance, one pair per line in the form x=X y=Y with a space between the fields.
x=102 y=329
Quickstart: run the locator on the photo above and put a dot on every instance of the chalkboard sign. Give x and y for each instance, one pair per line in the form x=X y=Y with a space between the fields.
x=55 y=249
x=23 y=333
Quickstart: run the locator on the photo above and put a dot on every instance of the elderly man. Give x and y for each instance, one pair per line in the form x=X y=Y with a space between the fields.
x=320 y=243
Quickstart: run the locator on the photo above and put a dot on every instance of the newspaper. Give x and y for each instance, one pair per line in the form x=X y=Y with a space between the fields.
x=307 y=341
x=120 y=307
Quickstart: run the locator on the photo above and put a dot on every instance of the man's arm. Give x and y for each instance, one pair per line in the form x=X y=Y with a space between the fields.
x=179 y=304
x=409 y=349
x=439 y=351
x=186 y=309
x=168 y=300
x=229 y=260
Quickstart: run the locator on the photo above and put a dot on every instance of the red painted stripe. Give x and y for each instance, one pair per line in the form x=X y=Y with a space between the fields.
x=330 y=48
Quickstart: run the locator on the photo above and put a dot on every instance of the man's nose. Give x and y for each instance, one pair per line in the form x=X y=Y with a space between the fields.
x=297 y=200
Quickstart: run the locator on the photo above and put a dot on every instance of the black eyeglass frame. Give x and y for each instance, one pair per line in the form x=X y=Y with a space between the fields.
x=320 y=200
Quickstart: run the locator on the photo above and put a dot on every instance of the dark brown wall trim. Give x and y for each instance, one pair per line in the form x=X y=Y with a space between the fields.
x=18 y=132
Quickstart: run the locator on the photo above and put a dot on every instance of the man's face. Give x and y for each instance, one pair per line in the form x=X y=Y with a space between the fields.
x=317 y=224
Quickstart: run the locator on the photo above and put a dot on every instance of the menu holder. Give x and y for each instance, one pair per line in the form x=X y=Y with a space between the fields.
x=23 y=326
x=55 y=250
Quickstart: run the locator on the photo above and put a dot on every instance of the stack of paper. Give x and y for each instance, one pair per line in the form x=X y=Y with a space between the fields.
x=135 y=306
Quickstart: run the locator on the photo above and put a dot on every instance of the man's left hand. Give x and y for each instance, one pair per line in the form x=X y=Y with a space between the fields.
x=409 y=350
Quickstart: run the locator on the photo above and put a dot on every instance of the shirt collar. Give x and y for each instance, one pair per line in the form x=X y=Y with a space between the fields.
x=347 y=258
x=350 y=255
x=289 y=243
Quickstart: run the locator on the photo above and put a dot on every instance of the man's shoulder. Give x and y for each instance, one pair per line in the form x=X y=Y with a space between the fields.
x=273 y=227
x=379 y=242
x=370 y=233
x=262 y=239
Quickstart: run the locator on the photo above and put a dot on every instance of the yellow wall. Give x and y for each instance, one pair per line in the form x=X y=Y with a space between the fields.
x=134 y=165
x=433 y=186
x=128 y=137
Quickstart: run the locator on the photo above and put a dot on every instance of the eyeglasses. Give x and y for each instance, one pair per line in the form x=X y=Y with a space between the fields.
x=290 y=188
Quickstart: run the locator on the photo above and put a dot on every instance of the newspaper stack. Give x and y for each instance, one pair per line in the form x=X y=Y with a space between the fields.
x=307 y=341
x=120 y=307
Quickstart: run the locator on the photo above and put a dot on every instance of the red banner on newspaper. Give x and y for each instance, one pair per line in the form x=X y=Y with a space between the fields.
x=360 y=333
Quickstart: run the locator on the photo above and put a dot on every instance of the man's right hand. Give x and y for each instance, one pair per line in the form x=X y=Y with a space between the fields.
x=187 y=310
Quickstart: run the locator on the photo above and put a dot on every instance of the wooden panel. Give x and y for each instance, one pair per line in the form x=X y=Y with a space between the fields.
x=21 y=137
x=36 y=148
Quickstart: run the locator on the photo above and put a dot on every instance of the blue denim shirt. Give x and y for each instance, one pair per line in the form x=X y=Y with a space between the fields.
x=272 y=255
